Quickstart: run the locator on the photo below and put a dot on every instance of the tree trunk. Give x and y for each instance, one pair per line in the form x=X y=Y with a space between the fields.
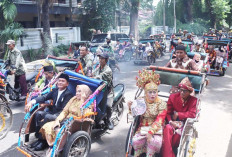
x=46 y=36
x=134 y=19
x=71 y=14
x=212 y=16
x=39 y=13
x=164 y=16
x=189 y=4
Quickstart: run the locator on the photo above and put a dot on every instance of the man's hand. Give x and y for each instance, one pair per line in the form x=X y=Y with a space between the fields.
x=12 y=72
x=173 y=124
x=28 y=107
x=175 y=116
x=43 y=105
x=149 y=136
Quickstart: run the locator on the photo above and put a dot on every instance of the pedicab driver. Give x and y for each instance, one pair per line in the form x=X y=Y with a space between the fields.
x=15 y=59
x=180 y=107
x=182 y=61
x=86 y=60
x=60 y=97
x=104 y=72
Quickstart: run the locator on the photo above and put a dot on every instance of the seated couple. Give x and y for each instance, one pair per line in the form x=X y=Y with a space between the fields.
x=152 y=134
x=46 y=121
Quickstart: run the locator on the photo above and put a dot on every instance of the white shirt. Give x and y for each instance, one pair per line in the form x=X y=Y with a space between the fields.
x=58 y=96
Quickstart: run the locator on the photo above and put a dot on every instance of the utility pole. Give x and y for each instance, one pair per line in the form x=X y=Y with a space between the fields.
x=164 y=16
x=174 y=16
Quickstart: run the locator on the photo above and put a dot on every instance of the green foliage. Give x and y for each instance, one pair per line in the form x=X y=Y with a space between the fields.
x=198 y=26
x=12 y=31
x=33 y=54
x=100 y=15
x=60 y=50
x=8 y=28
x=220 y=9
x=214 y=12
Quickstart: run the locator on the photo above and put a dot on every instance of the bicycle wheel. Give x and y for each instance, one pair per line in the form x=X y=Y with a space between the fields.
x=6 y=119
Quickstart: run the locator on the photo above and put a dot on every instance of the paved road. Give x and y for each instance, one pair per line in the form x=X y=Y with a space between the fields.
x=215 y=127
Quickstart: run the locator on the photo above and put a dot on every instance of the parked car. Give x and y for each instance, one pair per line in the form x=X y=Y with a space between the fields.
x=100 y=39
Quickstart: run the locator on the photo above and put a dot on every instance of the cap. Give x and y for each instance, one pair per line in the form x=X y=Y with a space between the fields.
x=10 y=42
x=104 y=55
x=48 y=68
x=180 y=47
x=64 y=76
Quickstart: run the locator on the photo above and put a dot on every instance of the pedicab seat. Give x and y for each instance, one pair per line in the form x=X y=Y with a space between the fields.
x=63 y=62
x=118 y=91
x=191 y=55
x=172 y=76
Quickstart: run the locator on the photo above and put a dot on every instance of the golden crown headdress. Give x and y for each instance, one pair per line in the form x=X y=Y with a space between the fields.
x=147 y=76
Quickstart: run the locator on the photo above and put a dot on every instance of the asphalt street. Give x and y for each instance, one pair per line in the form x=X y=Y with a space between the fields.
x=214 y=126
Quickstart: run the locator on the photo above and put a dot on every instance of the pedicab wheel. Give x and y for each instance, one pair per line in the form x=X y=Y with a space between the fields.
x=127 y=57
x=127 y=139
x=2 y=98
x=6 y=119
x=222 y=73
x=119 y=113
x=78 y=145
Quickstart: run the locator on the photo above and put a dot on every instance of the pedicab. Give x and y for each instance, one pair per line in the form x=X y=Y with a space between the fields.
x=204 y=59
x=151 y=55
x=220 y=68
x=170 y=76
x=210 y=37
x=188 y=43
x=74 y=137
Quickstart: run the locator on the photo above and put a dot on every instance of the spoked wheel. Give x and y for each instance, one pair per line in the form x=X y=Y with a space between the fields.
x=6 y=119
x=127 y=56
x=118 y=114
x=158 y=54
x=78 y=145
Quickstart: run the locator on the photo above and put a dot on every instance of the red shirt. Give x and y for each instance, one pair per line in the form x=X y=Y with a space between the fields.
x=188 y=110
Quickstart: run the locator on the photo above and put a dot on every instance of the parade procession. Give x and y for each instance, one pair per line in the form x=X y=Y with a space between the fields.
x=115 y=78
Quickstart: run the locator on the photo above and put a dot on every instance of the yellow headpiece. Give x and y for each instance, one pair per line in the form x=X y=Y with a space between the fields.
x=148 y=80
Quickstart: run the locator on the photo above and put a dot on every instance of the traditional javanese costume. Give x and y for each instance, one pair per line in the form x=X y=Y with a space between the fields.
x=151 y=121
x=185 y=109
x=73 y=108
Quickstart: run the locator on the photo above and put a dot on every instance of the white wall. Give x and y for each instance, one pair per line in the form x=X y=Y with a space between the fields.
x=66 y=35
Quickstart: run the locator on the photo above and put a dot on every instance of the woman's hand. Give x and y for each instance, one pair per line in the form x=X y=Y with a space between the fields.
x=56 y=124
x=149 y=136
x=129 y=103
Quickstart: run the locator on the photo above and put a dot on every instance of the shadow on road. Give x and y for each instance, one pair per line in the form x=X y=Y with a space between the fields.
x=11 y=152
x=16 y=117
x=229 y=149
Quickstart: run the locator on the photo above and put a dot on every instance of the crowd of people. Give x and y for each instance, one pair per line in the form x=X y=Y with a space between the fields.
x=161 y=122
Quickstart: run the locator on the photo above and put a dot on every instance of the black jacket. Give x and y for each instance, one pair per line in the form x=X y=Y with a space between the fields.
x=63 y=100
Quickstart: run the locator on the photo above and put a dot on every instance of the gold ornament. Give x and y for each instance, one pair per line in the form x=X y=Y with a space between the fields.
x=147 y=79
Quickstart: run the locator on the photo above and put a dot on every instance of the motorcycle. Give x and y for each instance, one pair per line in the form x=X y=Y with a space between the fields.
x=124 y=54
x=14 y=94
x=151 y=57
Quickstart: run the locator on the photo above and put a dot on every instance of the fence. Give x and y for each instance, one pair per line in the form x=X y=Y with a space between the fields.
x=59 y=35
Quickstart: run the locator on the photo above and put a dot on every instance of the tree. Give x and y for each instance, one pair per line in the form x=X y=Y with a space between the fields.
x=220 y=10
x=45 y=35
x=8 y=28
x=229 y=15
x=99 y=15
x=134 y=18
